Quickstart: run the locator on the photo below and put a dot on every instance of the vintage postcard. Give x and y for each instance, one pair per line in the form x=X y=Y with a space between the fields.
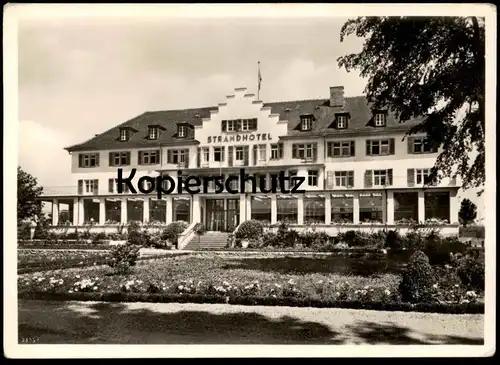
x=249 y=180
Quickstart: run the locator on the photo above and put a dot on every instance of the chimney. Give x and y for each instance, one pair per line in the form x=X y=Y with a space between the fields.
x=337 y=96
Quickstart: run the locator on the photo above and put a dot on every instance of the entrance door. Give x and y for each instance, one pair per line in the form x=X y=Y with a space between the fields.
x=215 y=215
x=222 y=214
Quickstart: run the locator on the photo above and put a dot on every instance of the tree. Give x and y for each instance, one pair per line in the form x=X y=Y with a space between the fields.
x=27 y=192
x=468 y=212
x=432 y=68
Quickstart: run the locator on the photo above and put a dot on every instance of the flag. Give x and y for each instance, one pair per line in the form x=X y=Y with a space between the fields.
x=260 y=77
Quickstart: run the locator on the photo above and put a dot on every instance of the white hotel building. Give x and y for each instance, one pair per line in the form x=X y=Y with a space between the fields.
x=359 y=171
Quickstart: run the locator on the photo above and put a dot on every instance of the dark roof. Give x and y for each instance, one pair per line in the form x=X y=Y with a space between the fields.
x=360 y=122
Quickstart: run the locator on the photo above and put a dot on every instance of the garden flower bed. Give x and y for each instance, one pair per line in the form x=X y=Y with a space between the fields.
x=206 y=278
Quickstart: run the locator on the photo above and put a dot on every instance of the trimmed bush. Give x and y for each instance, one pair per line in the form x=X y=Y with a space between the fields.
x=123 y=257
x=418 y=278
x=173 y=231
x=250 y=230
x=439 y=250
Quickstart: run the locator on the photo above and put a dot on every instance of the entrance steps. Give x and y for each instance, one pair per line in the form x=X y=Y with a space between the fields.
x=210 y=240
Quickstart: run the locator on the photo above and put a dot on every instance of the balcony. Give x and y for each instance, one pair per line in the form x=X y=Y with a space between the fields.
x=54 y=191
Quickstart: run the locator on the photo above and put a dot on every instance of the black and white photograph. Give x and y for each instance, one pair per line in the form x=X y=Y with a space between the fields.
x=249 y=174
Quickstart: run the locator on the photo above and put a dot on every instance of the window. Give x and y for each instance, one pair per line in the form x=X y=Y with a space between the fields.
x=437 y=205
x=379 y=119
x=177 y=156
x=380 y=147
x=291 y=180
x=88 y=160
x=312 y=178
x=245 y=125
x=405 y=206
x=341 y=149
x=149 y=157
x=420 y=145
x=124 y=134
x=206 y=154
x=113 y=186
x=119 y=158
x=306 y=123
x=304 y=151
x=262 y=152
x=344 y=178
x=153 y=133
x=274 y=152
x=231 y=126
x=422 y=176
x=90 y=186
x=342 y=208
x=218 y=154
x=314 y=210
x=341 y=121
x=380 y=178
x=371 y=207
x=287 y=209
x=181 y=133
x=239 y=153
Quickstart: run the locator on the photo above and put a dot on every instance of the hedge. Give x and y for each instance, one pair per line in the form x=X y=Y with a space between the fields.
x=447 y=308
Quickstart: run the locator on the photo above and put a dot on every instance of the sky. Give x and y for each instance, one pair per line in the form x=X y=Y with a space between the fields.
x=78 y=77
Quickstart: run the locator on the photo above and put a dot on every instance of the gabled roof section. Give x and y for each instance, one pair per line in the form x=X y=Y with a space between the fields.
x=360 y=122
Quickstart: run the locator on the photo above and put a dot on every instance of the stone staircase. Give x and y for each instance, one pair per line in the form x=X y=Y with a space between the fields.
x=210 y=240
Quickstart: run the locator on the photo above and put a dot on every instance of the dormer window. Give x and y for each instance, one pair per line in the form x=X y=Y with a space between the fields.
x=153 y=133
x=341 y=122
x=380 y=119
x=124 y=135
x=306 y=123
x=181 y=132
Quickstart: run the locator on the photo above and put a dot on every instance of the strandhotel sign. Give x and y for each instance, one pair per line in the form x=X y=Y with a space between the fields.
x=240 y=138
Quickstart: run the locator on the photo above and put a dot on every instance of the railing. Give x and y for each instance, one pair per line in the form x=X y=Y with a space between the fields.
x=186 y=236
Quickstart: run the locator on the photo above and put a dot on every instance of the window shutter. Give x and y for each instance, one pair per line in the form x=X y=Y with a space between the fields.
x=368 y=178
x=368 y=147
x=110 y=185
x=80 y=160
x=315 y=151
x=350 y=179
x=330 y=179
x=97 y=157
x=140 y=158
x=391 y=146
x=198 y=157
x=223 y=153
x=280 y=150
x=245 y=155
x=128 y=158
x=96 y=186
x=410 y=145
x=294 y=151
x=238 y=125
x=224 y=125
x=111 y=159
x=329 y=149
x=80 y=187
x=254 y=124
x=169 y=156
x=353 y=148
x=389 y=177
x=230 y=156
x=255 y=154
x=411 y=177
x=186 y=158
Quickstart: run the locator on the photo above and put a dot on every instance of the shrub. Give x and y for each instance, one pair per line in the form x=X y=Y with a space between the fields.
x=123 y=257
x=24 y=231
x=42 y=228
x=414 y=241
x=173 y=231
x=250 y=230
x=96 y=237
x=394 y=241
x=470 y=270
x=439 y=250
x=354 y=238
x=418 y=278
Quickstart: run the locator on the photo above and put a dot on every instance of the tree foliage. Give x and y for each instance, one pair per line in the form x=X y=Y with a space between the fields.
x=432 y=69
x=27 y=192
x=468 y=211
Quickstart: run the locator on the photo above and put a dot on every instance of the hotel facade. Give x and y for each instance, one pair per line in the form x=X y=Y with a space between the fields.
x=359 y=171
